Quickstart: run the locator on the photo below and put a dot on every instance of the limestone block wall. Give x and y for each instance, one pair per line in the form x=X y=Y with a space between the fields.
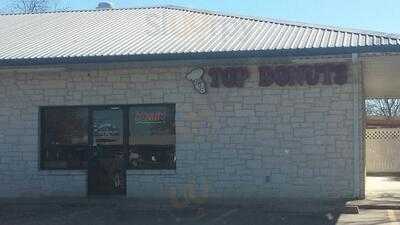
x=232 y=143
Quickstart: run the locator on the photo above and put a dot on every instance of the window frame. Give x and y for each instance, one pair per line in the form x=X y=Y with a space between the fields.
x=171 y=107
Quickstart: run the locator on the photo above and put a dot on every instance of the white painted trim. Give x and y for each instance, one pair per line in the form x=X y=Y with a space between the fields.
x=150 y=172
x=356 y=124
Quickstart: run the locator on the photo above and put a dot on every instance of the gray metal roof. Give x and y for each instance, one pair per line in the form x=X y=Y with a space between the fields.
x=165 y=31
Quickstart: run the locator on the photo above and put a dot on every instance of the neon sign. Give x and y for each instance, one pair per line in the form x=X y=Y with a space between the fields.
x=150 y=117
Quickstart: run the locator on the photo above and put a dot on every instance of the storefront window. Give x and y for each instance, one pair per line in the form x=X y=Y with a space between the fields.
x=152 y=137
x=64 y=137
x=151 y=125
x=108 y=126
x=69 y=133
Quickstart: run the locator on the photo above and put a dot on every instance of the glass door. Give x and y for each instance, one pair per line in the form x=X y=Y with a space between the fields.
x=107 y=163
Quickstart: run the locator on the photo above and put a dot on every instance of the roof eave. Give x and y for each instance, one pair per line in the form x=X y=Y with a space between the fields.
x=200 y=55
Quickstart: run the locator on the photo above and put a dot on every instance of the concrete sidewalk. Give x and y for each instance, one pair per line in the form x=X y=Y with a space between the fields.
x=371 y=217
x=382 y=192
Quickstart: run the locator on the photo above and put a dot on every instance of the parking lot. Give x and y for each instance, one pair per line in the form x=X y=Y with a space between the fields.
x=70 y=214
x=82 y=215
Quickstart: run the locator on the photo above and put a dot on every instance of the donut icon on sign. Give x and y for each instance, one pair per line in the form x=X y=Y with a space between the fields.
x=196 y=77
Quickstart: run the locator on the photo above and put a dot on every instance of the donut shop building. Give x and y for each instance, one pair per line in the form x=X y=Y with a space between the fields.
x=159 y=102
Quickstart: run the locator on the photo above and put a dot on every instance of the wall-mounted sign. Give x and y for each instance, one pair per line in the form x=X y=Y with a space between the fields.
x=327 y=74
x=196 y=77
x=228 y=77
x=281 y=75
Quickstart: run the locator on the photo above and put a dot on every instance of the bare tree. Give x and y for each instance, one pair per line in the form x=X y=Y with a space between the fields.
x=386 y=107
x=32 y=6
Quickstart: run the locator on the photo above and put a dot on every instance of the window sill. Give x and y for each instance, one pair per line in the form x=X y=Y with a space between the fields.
x=63 y=172
x=151 y=172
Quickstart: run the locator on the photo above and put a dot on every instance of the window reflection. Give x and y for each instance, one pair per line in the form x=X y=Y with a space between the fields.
x=150 y=142
x=66 y=126
x=108 y=126
x=152 y=157
x=151 y=125
x=152 y=137
x=65 y=137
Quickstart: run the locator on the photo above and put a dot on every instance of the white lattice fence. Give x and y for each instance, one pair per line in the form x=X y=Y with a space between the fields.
x=383 y=150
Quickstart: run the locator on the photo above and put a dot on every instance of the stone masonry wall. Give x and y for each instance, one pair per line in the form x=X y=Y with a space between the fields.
x=232 y=143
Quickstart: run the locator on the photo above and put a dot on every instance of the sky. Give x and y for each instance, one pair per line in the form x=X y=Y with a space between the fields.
x=375 y=15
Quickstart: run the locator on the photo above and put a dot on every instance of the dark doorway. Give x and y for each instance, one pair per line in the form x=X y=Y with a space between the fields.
x=107 y=163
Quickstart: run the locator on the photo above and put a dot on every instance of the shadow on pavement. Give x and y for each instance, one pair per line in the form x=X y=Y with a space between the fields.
x=120 y=215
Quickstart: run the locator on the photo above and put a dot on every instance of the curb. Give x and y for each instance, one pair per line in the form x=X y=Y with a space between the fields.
x=351 y=209
x=394 y=207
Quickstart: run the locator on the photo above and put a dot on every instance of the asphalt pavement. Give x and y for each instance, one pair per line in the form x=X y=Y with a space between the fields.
x=116 y=215
x=72 y=214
